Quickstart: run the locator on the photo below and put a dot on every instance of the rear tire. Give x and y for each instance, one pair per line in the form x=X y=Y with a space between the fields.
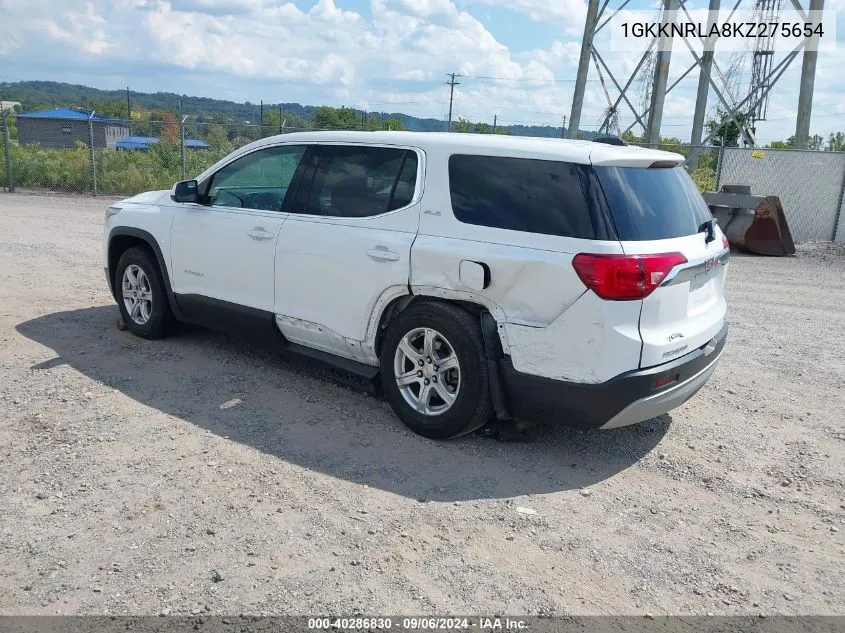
x=141 y=295
x=434 y=372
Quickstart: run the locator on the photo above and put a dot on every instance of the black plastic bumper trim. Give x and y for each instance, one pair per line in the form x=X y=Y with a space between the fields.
x=537 y=399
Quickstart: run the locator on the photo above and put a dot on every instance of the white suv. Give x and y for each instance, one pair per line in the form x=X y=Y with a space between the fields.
x=475 y=275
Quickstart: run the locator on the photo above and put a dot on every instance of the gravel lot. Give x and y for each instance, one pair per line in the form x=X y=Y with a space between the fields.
x=126 y=487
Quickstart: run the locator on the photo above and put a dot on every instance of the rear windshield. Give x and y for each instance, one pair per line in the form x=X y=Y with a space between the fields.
x=535 y=196
x=652 y=204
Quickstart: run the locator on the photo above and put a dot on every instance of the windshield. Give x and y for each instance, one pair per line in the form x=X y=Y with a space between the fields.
x=652 y=204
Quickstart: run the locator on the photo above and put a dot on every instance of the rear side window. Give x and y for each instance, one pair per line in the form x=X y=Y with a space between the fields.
x=652 y=204
x=534 y=196
x=360 y=181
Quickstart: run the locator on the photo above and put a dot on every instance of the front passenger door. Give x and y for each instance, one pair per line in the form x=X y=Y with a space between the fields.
x=223 y=251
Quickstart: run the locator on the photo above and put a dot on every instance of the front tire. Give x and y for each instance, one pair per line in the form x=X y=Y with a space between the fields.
x=434 y=372
x=141 y=296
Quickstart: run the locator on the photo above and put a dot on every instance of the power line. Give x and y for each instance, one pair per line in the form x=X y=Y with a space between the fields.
x=556 y=81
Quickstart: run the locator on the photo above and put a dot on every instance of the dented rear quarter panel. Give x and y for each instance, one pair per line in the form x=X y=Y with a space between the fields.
x=551 y=326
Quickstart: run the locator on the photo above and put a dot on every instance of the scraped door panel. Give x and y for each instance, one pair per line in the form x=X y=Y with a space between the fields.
x=346 y=244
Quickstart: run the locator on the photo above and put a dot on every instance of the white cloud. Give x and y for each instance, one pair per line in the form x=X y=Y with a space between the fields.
x=567 y=13
x=396 y=60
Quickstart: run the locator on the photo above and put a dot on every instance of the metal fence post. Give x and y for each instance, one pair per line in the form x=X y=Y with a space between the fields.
x=719 y=166
x=91 y=156
x=838 y=217
x=7 y=151
x=182 y=144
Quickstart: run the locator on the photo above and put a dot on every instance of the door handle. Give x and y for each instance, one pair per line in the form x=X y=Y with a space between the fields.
x=380 y=253
x=260 y=234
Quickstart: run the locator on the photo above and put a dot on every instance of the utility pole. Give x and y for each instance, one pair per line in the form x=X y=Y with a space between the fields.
x=583 y=67
x=280 y=118
x=261 y=120
x=808 y=80
x=128 y=106
x=452 y=83
x=495 y=121
x=563 y=128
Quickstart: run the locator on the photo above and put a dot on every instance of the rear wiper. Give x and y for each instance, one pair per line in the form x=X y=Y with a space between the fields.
x=707 y=227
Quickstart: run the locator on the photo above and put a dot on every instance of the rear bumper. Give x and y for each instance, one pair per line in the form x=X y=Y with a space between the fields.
x=626 y=399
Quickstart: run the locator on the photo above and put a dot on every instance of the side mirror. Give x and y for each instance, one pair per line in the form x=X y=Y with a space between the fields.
x=185 y=191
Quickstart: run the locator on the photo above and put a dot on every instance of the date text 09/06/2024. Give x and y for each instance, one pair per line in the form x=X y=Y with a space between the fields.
x=417 y=624
x=727 y=29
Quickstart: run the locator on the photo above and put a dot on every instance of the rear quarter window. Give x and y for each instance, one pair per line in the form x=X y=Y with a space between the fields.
x=652 y=204
x=519 y=194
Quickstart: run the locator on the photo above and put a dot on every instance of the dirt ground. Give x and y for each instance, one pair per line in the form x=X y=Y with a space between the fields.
x=126 y=487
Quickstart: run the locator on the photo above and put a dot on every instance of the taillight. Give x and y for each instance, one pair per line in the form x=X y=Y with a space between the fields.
x=622 y=277
x=725 y=243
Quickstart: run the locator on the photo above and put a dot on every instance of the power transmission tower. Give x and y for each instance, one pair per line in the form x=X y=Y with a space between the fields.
x=654 y=64
x=452 y=83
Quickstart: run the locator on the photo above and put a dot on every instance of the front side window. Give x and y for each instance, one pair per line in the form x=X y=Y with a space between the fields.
x=520 y=194
x=259 y=180
x=359 y=181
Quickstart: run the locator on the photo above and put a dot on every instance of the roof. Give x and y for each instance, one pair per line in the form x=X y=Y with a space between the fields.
x=143 y=142
x=576 y=151
x=67 y=114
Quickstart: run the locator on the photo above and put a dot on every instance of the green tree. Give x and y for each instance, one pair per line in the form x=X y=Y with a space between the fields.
x=836 y=142
x=395 y=124
x=483 y=128
x=328 y=118
x=109 y=107
x=630 y=138
x=274 y=120
x=217 y=137
x=461 y=125
x=787 y=144
x=815 y=142
x=725 y=132
x=672 y=144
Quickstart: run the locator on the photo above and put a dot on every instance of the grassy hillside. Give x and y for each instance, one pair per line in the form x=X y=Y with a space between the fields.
x=39 y=95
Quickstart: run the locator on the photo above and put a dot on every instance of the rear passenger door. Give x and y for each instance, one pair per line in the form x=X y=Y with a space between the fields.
x=346 y=243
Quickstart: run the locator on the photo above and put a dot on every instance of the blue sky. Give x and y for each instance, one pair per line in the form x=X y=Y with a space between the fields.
x=390 y=55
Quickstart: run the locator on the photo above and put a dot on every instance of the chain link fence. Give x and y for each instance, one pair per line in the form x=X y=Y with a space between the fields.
x=808 y=183
x=120 y=157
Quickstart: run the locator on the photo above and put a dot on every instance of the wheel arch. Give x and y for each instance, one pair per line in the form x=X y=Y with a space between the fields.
x=122 y=238
x=491 y=327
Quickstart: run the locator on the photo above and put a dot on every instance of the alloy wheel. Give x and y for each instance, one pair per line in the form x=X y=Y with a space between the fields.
x=427 y=371
x=137 y=294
